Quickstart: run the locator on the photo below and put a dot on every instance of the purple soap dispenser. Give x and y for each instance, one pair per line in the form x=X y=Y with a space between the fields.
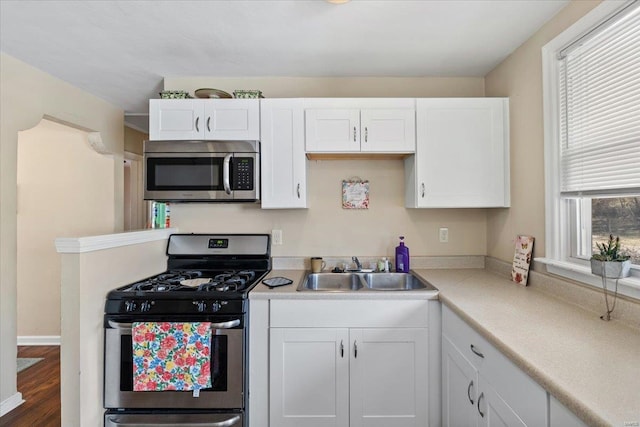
x=402 y=257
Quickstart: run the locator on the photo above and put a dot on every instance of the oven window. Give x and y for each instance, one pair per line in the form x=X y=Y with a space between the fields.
x=192 y=173
x=219 y=357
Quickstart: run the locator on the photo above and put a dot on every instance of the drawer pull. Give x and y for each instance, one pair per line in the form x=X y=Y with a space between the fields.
x=469 y=392
x=479 y=399
x=197 y=122
x=354 y=134
x=476 y=352
x=341 y=348
x=355 y=349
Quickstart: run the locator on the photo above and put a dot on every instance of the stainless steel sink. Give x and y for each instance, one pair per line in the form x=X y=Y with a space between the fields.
x=336 y=282
x=395 y=282
x=350 y=282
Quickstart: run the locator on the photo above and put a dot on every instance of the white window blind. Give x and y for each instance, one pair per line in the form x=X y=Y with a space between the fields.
x=600 y=109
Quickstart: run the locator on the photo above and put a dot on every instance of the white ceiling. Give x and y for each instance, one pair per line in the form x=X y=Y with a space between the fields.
x=121 y=50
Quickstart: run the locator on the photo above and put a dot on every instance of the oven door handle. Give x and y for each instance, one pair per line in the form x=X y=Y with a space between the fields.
x=218 y=325
x=226 y=423
x=226 y=173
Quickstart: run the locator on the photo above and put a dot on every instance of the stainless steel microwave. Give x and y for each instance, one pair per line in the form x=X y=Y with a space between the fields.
x=202 y=171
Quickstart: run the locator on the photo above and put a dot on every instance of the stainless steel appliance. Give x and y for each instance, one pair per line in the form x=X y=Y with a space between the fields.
x=208 y=279
x=198 y=171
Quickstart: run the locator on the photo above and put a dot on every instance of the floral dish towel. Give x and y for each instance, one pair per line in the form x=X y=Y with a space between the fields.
x=171 y=356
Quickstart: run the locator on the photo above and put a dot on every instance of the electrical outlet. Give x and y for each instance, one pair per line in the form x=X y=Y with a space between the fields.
x=276 y=237
x=444 y=234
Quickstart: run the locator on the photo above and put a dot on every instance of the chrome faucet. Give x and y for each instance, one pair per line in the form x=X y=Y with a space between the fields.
x=357 y=262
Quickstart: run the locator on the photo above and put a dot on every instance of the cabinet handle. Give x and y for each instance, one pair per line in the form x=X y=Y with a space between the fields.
x=355 y=349
x=341 y=348
x=366 y=134
x=476 y=352
x=208 y=122
x=354 y=134
x=423 y=189
x=197 y=124
x=469 y=392
x=479 y=399
x=298 y=190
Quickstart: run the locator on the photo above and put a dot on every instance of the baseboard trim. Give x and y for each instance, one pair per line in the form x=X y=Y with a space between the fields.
x=39 y=340
x=11 y=403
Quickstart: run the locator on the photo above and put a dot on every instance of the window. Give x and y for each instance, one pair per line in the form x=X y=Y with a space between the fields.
x=592 y=135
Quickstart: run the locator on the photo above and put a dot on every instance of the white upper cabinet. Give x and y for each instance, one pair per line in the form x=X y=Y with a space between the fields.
x=204 y=119
x=284 y=164
x=462 y=154
x=360 y=125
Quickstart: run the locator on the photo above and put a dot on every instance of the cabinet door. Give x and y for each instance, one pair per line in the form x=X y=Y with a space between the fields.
x=495 y=412
x=560 y=416
x=459 y=388
x=176 y=119
x=332 y=130
x=309 y=377
x=232 y=119
x=388 y=130
x=284 y=164
x=462 y=153
x=388 y=377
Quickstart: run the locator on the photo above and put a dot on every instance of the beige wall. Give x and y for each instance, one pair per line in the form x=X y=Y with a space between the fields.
x=325 y=228
x=26 y=96
x=300 y=87
x=86 y=280
x=133 y=140
x=63 y=187
x=520 y=78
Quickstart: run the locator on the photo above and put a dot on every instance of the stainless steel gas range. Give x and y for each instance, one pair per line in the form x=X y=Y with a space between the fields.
x=208 y=279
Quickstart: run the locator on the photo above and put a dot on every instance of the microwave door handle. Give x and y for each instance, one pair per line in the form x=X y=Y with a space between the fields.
x=226 y=172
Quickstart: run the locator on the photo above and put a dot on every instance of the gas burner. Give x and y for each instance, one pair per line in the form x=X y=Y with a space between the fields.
x=209 y=286
x=247 y=274
x=236 y=281
x=187 y=274
x=223 y=277
x=157 y=286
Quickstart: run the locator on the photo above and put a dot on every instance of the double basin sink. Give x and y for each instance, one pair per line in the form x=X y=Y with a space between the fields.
x=352 y=282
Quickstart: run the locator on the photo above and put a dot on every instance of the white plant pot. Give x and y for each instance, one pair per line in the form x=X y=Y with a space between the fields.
x=612 y=269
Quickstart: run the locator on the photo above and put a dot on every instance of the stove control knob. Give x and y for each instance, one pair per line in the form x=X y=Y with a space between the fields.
x=145 y=306
x=215 y=306
x=130 y=306
x=202 y=306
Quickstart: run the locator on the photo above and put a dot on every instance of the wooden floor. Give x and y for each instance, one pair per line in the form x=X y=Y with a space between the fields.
x=40 y=388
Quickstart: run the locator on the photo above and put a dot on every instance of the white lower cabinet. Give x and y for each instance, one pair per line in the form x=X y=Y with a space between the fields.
x=560 y=416
x=348 y=376
x=480 y=387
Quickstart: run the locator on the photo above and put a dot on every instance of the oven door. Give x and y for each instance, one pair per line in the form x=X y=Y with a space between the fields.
x=172 y=420
x=227 y=369
x=202 y=176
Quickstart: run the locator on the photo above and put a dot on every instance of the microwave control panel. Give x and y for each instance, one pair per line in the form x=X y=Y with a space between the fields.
x=243 y=173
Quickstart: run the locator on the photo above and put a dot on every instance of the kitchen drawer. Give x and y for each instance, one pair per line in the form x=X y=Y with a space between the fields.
x=520 y=392
x=349 y=313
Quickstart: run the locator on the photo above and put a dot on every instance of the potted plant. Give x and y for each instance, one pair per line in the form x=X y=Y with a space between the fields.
x=610 y=262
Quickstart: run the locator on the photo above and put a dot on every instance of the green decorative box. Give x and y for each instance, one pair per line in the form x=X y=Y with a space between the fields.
x=174 y=94
x=245 y=94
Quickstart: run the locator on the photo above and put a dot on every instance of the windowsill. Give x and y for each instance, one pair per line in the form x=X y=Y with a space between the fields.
x=629 y=286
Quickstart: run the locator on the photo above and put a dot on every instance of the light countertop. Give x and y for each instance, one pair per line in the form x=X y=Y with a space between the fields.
x=589 y=365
